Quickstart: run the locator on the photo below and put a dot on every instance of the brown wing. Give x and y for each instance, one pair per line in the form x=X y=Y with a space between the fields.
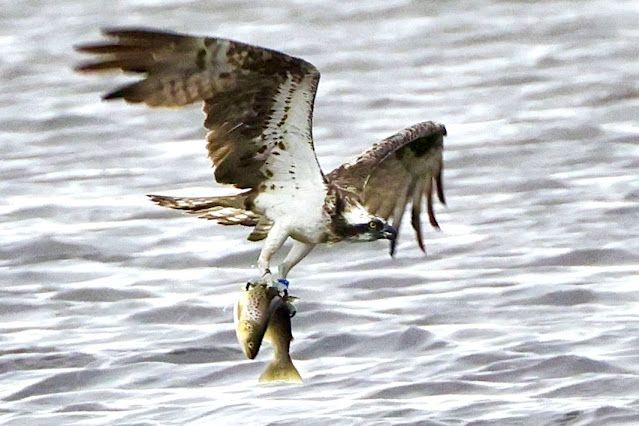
x=399 y=170
x=225 y=210
x=258 y=102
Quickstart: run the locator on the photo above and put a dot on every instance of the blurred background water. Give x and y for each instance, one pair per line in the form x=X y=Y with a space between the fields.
x=525 y=311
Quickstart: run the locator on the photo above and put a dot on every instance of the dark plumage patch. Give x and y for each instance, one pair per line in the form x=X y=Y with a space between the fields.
x=200 y=59
x=283 y=120
x=421 y=146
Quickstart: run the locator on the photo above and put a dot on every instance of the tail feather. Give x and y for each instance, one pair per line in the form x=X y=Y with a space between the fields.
x=226 y=210
x=282 y=371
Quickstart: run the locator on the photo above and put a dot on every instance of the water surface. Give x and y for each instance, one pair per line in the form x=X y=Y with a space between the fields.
x=525 y=311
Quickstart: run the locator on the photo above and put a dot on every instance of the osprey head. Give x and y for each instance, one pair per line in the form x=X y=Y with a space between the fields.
x=351 y=221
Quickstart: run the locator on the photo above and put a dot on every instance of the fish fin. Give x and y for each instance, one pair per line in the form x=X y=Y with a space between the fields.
x=283 y=371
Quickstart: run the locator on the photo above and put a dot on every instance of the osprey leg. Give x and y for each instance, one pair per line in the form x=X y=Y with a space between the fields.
x=297 y=253
x=272 y=243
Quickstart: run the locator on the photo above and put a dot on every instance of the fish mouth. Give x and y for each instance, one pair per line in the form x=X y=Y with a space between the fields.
x=250 y=338
x=251 y=349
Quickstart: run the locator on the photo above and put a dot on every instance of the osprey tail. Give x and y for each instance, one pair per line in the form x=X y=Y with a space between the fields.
x=225 y=210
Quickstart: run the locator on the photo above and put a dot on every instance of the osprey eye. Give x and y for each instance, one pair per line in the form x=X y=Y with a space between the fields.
x=373 y=225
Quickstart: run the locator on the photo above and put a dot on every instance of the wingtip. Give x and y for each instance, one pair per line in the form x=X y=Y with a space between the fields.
x=109 y=31
x=158 y=199
x=420 y=243
x=440 y=196
x=417 y=226
x=439 y=183
x=116 y=94
x=129 y=93
x=118 y=31
x=142 y=33
x=85 y=66
x=431 y=213
x=79 y=47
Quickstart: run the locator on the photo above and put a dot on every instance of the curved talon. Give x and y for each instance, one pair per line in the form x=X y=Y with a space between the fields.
x=291 y=309
x=267 y=277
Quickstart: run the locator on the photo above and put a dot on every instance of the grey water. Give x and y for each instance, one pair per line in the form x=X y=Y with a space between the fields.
x=525 y=310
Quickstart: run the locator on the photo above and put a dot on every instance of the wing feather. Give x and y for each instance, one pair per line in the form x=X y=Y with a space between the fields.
x=398 y=213
x=258 y=102
x=415 y=220
x=397 y=172
x=225 y=210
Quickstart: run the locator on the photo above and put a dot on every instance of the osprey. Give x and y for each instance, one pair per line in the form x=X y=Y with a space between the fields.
x=258 y=105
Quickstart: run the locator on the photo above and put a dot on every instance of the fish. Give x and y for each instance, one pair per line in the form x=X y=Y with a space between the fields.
x=279 y=333
x=253 y=310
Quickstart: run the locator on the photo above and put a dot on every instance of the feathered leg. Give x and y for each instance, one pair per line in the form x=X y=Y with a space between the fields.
x=297 y=253
x=274 y=240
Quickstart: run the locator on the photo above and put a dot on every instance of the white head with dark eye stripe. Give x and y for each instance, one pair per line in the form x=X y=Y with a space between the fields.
x=354 y=223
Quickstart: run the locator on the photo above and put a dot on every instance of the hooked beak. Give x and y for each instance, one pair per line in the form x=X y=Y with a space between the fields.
x=389 y=232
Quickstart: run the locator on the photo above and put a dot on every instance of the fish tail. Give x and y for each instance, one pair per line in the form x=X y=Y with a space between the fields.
x=280 y=371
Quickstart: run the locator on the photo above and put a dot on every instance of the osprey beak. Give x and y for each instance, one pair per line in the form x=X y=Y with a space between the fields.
x=389 y=232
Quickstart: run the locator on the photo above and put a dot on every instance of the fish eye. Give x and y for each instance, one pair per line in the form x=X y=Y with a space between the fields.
x=373 y=225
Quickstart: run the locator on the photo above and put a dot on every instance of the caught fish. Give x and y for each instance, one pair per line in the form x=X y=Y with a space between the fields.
x=281 y=368
x=254 y=308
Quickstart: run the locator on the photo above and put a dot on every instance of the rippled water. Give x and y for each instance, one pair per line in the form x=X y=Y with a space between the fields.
x=525 y=311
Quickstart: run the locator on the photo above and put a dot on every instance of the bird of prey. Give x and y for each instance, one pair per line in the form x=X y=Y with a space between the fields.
x=258 y=105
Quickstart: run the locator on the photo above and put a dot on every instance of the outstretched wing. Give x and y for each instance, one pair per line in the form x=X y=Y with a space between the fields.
x=399 y=170
x=258 y=102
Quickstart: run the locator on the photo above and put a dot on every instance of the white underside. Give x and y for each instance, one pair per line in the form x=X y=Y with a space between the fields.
x=294 y=195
